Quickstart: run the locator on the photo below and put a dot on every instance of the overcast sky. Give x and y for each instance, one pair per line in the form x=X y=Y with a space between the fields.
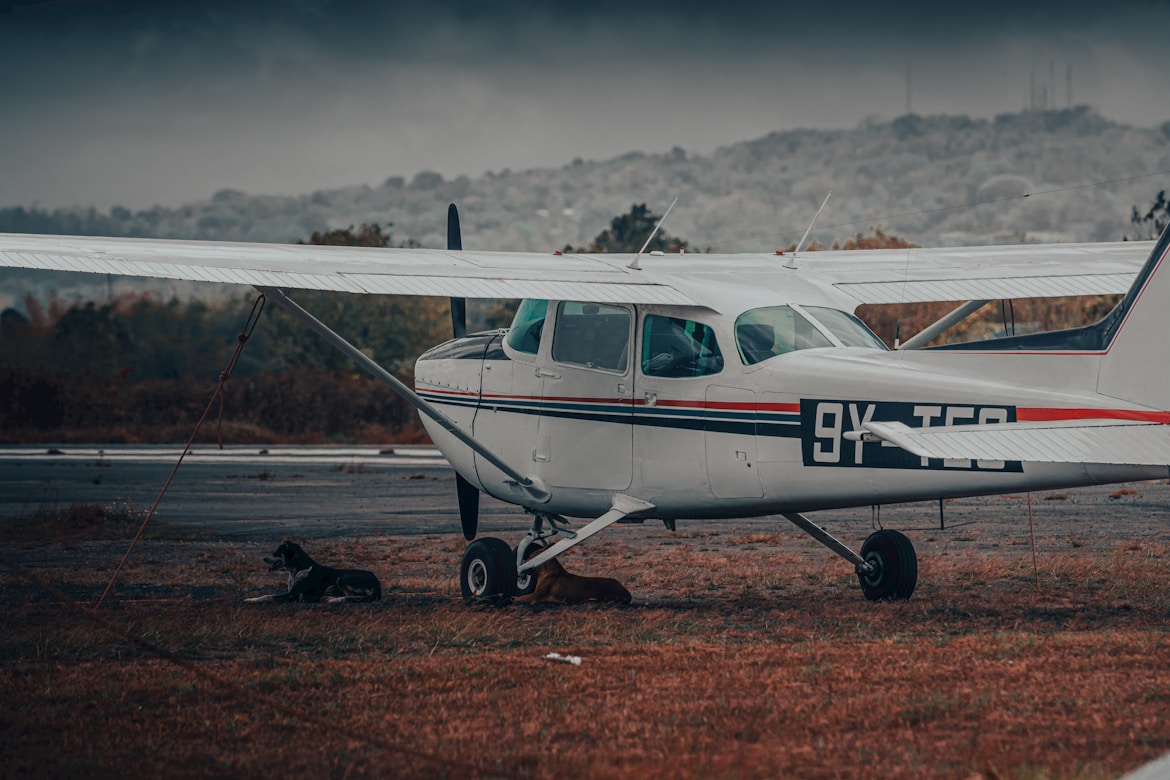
x=138 y=103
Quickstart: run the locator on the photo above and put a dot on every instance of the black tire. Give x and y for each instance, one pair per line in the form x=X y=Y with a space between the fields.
x=526 y=583
x=895 y=565
x=488 y=570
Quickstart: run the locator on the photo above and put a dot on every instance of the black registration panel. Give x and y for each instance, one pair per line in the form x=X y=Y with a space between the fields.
x=824 y=423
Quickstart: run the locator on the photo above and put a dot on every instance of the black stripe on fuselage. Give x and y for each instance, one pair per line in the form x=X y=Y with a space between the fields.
x=783 y=430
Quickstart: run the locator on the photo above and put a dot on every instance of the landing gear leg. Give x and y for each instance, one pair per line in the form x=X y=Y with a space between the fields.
x=887 y=566
x=494 y=571
x=535 y=538
x=489 y=568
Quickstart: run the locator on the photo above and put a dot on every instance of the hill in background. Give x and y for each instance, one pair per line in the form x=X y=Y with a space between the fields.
x=904 y=175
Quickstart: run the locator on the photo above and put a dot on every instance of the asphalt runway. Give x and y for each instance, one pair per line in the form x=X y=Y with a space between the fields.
x=253 y=493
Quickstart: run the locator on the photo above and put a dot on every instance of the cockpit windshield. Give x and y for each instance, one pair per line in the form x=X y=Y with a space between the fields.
x=849 y=330
x=527 y=326
x=777 y=330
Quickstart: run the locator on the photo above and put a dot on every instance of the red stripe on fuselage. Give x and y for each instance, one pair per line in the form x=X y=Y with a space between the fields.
x=729 y=406
x=1050 y=415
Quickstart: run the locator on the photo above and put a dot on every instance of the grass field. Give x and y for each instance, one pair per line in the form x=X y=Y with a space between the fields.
x=744 y=655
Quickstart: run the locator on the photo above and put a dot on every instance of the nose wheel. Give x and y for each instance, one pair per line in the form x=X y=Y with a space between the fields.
x=893 y=566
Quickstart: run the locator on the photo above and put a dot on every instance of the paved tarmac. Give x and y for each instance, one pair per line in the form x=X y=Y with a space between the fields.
x=259 y=494
x=252 y=492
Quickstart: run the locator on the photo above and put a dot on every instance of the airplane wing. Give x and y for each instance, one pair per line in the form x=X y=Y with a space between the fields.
x=868 y=276
x=981 y=273
x=346 y=269
x=1119 y=442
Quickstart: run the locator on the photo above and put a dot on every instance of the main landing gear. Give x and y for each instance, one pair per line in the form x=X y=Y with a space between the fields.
x=887 y=567
x=893 y=566
x=490 y=570
x=493 y=571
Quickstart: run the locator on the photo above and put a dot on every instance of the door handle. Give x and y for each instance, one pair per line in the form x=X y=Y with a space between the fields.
x=543 y=374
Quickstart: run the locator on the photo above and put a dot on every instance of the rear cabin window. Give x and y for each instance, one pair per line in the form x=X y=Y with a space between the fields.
x=673 y=347
x=592 y=335
x=764 y=333
x=527 y=326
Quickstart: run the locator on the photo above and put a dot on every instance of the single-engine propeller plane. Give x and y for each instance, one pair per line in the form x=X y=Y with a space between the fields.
x=702 y=386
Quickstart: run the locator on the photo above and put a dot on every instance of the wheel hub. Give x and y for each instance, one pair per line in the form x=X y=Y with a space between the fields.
x=877 y=569
x=477 y=577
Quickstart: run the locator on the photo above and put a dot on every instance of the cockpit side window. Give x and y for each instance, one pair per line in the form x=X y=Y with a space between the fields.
x=527 y=326
x=592 y=335
x=673 y=347
x=764 y=333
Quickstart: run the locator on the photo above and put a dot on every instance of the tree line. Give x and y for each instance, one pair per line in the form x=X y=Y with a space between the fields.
x=141 y=369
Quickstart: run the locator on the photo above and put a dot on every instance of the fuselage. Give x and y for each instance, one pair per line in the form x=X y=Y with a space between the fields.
x=745 y=412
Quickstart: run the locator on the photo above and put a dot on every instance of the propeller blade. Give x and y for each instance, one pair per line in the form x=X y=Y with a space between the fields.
x=468 y=506
x=458 y=305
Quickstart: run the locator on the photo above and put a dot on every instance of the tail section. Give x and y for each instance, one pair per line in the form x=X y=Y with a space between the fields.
x=1136 y=362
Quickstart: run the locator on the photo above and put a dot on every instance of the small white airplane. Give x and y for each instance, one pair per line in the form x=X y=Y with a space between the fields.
x=721 y=386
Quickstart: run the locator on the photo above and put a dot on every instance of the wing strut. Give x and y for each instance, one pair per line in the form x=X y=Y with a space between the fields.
x=531 y=485
x=950 y=320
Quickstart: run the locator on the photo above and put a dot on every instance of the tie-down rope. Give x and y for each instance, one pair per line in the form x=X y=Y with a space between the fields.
x=245 y=334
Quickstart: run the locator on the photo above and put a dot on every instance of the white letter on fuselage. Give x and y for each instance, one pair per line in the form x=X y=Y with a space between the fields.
x=830 y=432
x=926 y=414
x=857 y=423
x=986 y=417
x=958 y=413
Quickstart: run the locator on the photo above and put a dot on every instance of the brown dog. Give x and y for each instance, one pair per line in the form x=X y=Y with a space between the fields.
x=555 y=585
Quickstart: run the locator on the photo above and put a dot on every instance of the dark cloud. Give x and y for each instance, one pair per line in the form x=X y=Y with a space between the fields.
x=163 y=101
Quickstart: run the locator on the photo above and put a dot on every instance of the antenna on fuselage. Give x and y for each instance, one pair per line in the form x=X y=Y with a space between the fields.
x=634 y=265
x=792 y=257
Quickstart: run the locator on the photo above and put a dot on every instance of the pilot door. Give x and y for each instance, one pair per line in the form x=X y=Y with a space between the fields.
x=509 y=405
x=677 y=359
x=584 y=436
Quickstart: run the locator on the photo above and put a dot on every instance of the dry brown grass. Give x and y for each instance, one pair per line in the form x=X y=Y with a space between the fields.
x=744 y=655
x=78 y=520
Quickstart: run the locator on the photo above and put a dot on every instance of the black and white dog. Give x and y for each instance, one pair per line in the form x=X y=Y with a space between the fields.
x=310 y=581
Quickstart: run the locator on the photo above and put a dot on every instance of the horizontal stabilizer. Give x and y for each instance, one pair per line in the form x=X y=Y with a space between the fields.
x=1118 y=442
